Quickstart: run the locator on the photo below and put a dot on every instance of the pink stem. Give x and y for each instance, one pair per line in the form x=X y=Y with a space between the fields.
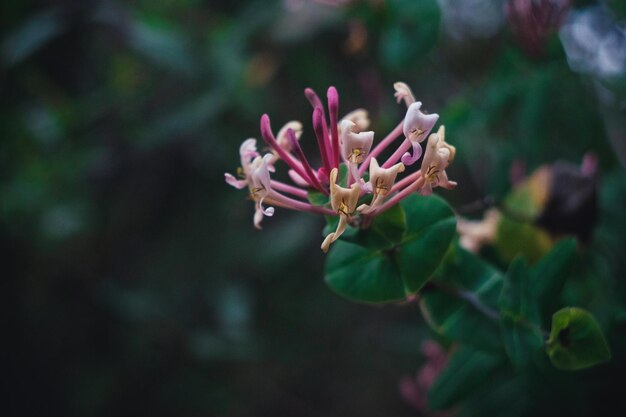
x=268 y=137
x=333 y=110
x=352 y=170
x=295 y=191
x=405 y=181
x=281 y=200
x=305 y=163
x=321 y=133
x=398 y=153
x=382 y=145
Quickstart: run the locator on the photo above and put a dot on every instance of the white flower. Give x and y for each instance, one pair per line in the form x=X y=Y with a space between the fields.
x=381 y=181
x=354 y=145
x=260 y=186
x=343 y=202
x=439 y=155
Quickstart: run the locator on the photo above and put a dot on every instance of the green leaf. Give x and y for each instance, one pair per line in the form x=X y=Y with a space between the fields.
x=430 y=227
x=576 y=341
x=467 y=369
x=519 y=319
x=386 y=231
x=521 y=341
x=317 y=198
x=342 y=177
x=461 y=304
x=515 y=297
x=403 y=257
x=549 y=274
x=390 y=225
x=516 y=234
x=414 y=29
x=361 y=274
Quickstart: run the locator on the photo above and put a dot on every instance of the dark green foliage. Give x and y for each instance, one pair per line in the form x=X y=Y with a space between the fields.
x=519 y=315
x=466 y=371
x=461 y=303
x=396 y=255
x=576 y=341
x=135 y=283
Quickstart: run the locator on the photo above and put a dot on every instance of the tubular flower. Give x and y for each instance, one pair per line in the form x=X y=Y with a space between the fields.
x=360 y=118
x=416 y=126
x=439 y=155
x=247 y=152
x=354 y=146
x=283 y=140
x=260 y=187
x=335 y=186
x=343 y=201
x=381 y=181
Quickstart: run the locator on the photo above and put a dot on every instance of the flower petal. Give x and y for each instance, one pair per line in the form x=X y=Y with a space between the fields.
x=407 y=159
x=232 y=181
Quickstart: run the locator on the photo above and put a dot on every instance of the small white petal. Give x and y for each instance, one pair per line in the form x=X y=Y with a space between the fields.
x=231 y=180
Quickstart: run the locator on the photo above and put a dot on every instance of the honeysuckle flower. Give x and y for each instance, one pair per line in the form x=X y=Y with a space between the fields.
x=439 y=155
x=281 y=137
x=354 y=147
x=347 y=143
x=343 y=201
x=247 y=152
x=381 y=183
x=417 y=126
x=260 y=187
x=403 y=92
x=360 y=118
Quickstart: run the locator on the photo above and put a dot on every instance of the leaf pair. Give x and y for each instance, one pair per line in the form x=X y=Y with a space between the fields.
x=396 y=255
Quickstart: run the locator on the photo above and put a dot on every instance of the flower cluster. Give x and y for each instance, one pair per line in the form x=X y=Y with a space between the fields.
x=349 y=171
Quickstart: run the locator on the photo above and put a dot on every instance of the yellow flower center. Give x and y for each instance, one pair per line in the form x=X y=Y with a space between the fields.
x=356 y=156
x=343 y=208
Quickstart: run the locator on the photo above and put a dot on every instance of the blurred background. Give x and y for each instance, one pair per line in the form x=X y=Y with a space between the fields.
x=134 y=281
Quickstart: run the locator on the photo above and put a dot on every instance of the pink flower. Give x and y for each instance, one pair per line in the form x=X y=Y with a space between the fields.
x=342 y=144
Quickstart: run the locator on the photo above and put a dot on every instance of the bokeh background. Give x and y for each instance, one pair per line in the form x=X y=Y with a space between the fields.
x=134 y=281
